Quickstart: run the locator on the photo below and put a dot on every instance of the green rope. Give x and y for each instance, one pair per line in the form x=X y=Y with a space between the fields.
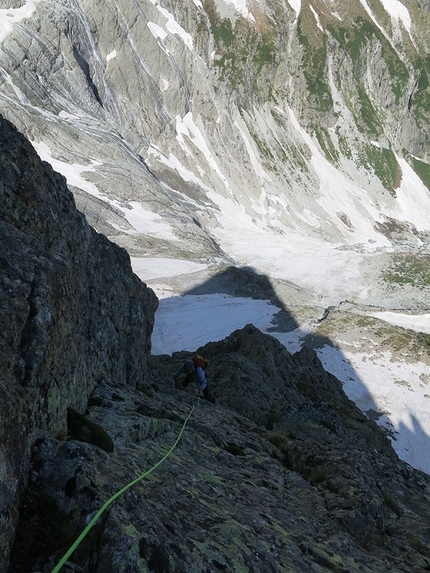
x=113 y=498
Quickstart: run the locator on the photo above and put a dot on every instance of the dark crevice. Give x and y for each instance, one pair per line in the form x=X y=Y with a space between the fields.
x=83 y=64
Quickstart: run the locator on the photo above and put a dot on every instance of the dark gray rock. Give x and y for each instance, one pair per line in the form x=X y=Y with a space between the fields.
x=72 y=314
x=282 y=473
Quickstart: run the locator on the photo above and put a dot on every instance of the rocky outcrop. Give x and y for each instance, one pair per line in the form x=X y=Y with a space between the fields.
x=282 y=473
x=72 y=315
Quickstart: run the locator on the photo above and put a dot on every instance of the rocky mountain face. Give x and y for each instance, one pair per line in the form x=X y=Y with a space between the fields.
x=72 y=313
x=308 y=119
x=306 y=126
x=282 y=473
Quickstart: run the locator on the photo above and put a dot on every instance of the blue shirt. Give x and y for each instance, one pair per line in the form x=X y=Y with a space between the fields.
x=201 y=378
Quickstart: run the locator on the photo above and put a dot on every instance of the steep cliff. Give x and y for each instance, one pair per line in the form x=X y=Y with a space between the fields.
x=282 y=474
x=72 y=314
x=300 y=119
x=290 y=136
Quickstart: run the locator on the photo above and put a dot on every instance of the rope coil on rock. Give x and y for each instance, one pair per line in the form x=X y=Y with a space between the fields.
x=116 y=495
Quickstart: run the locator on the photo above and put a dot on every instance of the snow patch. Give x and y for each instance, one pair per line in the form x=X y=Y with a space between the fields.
x=72 y=172
x=241 y=7
x=222 y=314
x=253 y=158
x=338 y=193
x=173 y=162
x=186 y=127
x=66 y=115
x=111 y=56
x=157 y=31
x=398 y=11
x=394 y=389
x=11 y=16
x=147 y=222
x=152 y=268
x=417 y=322
x=172 y=26
x=296 y=5
x=317 y=18
x=142 y=220
x=413 y=198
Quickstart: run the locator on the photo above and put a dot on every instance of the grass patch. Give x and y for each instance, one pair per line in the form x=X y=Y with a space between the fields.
x=392 y=502
x=420 y=102
x=278 y=439
x=424 y=339
x=367 y=119
x=314 y=68
x=386 y=167
x=242 y=52
x=325 y=142
x=354 y=40
x=412 y=269
x=422 y=169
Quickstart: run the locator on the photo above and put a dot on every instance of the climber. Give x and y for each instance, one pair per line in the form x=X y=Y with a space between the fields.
x=194 y=369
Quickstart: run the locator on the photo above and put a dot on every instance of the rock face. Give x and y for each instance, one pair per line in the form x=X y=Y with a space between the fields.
x=72 y=314
x=282 y=474
x=285 y=115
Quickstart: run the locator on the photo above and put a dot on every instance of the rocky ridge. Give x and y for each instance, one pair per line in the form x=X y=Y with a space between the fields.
x=72 y=313
x=282 y=473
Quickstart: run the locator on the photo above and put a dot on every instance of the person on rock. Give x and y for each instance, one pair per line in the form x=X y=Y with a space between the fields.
x=194 y=369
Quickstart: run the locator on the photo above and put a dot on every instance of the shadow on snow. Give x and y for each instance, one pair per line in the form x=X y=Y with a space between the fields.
x=246 y=283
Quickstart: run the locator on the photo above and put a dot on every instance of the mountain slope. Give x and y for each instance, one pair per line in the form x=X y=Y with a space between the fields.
x=306 y=120
x=282 y=474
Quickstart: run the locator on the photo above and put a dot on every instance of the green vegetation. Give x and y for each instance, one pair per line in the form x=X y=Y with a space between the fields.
x=314 y=67
x=424 y=339
x=354 y=40
x=290 y=152
x=367 y=114
x=411 y=269
x=384 y=163
x=420 y=103
x=325 y=141
x=262 y=147
x=386 y=167
x=345 y=146
x=242 y=52
x=393 y=503
x=281 y=441
x=422 y=169
x=223 y=32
